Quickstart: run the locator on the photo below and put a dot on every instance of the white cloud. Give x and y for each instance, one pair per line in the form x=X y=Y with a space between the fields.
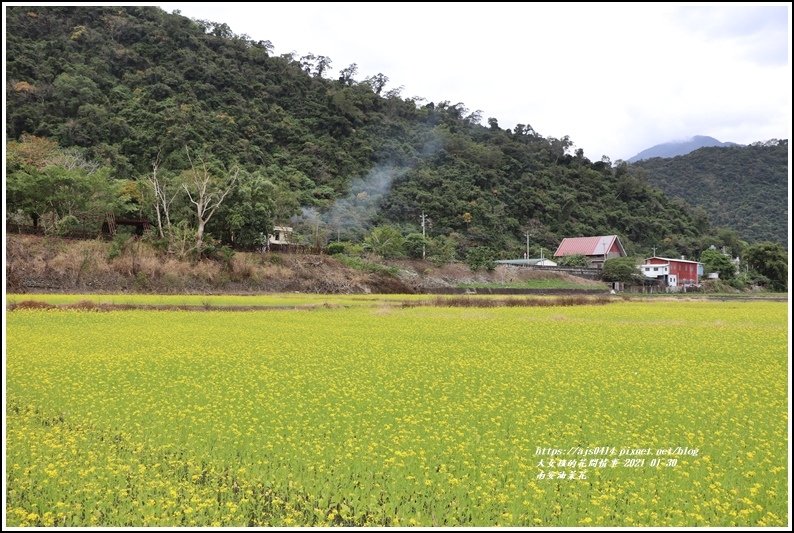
x=615 y=78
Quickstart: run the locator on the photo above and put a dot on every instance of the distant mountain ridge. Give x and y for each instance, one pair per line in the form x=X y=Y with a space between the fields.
x=744 y=188
x=673 y=149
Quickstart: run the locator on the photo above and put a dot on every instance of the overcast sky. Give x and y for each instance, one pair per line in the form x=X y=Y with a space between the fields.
x=615 y=78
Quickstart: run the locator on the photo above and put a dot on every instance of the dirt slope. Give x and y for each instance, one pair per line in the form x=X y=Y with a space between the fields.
x=51 y=264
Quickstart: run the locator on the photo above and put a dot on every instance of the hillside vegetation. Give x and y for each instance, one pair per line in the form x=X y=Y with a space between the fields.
x=741 y=187
x=103 y=99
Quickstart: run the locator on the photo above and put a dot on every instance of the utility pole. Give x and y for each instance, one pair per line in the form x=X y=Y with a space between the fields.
x=423 y=218
x=527 y=234
x=654 y=251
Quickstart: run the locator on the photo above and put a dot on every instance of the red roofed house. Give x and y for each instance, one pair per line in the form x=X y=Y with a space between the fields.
x=673 y=273
x=595 y=249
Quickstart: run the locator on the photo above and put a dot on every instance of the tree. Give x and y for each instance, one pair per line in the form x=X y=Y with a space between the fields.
x=266 y=45
x=415 y=243
x=441 y=249
x=715 y=261
x=122 y=95
x=386 y=241
x=74 y=90
x=164 y=195
x=44 y=179
x=27 y=190
x=323 y=64
x=206 y=191
x=378 y=82
x=250 y=212
x=769 y=259
x=622 y=269
x=31 y=150
x=74 y=193
x=307 y=63
x=480 y=258
x=346 y=74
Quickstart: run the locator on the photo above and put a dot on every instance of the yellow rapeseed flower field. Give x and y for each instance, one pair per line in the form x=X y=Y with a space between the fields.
x=364 y=415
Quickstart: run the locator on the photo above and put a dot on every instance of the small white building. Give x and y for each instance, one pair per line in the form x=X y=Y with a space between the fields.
x=281 y=235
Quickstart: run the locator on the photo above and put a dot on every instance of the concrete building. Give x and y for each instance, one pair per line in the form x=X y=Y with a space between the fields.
x=281 y=235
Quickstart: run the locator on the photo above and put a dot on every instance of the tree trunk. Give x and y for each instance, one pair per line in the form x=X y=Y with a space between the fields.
x=200 y=236
x=159 y=222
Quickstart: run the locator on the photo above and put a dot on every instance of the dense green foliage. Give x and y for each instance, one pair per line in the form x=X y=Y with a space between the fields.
x=742 y=187
x=56 y=187
x=481 y=258
x=715 y=261
x=769 y=259
x=134 y=88
x=620 y=269
x=385 y=241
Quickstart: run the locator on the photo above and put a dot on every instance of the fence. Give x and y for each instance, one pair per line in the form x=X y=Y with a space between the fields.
x=73 y=233
x=13 y=227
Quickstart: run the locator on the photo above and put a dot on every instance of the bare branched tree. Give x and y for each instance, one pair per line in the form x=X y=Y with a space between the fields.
x=206 y=192
x=163 y=198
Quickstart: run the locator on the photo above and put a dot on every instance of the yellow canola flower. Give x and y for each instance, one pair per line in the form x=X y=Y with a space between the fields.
x=344 y=416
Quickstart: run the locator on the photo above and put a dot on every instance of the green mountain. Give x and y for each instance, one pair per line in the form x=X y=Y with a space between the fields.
x=742 y=187
x=125 y=87
x=673 y=149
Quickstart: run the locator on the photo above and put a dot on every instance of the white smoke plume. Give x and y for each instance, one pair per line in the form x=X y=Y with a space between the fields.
x=351 y=216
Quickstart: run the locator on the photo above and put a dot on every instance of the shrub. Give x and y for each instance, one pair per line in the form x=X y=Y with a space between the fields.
x=480 y=258
x=415 y=243
x=442 y=249
x=335 y=248
x=66 y=225
x=385 y=241
x=118 y=244
x=715 y=261
x=354 y=250
x=275 y=259
x=620 y=269
x=141 y=280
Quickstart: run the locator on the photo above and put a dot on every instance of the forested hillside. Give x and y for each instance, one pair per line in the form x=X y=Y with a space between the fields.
x=742 y=187
x=123 y=100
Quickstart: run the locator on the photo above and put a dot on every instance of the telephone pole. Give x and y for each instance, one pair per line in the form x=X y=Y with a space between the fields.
x=527 y=257
x=424 y=219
